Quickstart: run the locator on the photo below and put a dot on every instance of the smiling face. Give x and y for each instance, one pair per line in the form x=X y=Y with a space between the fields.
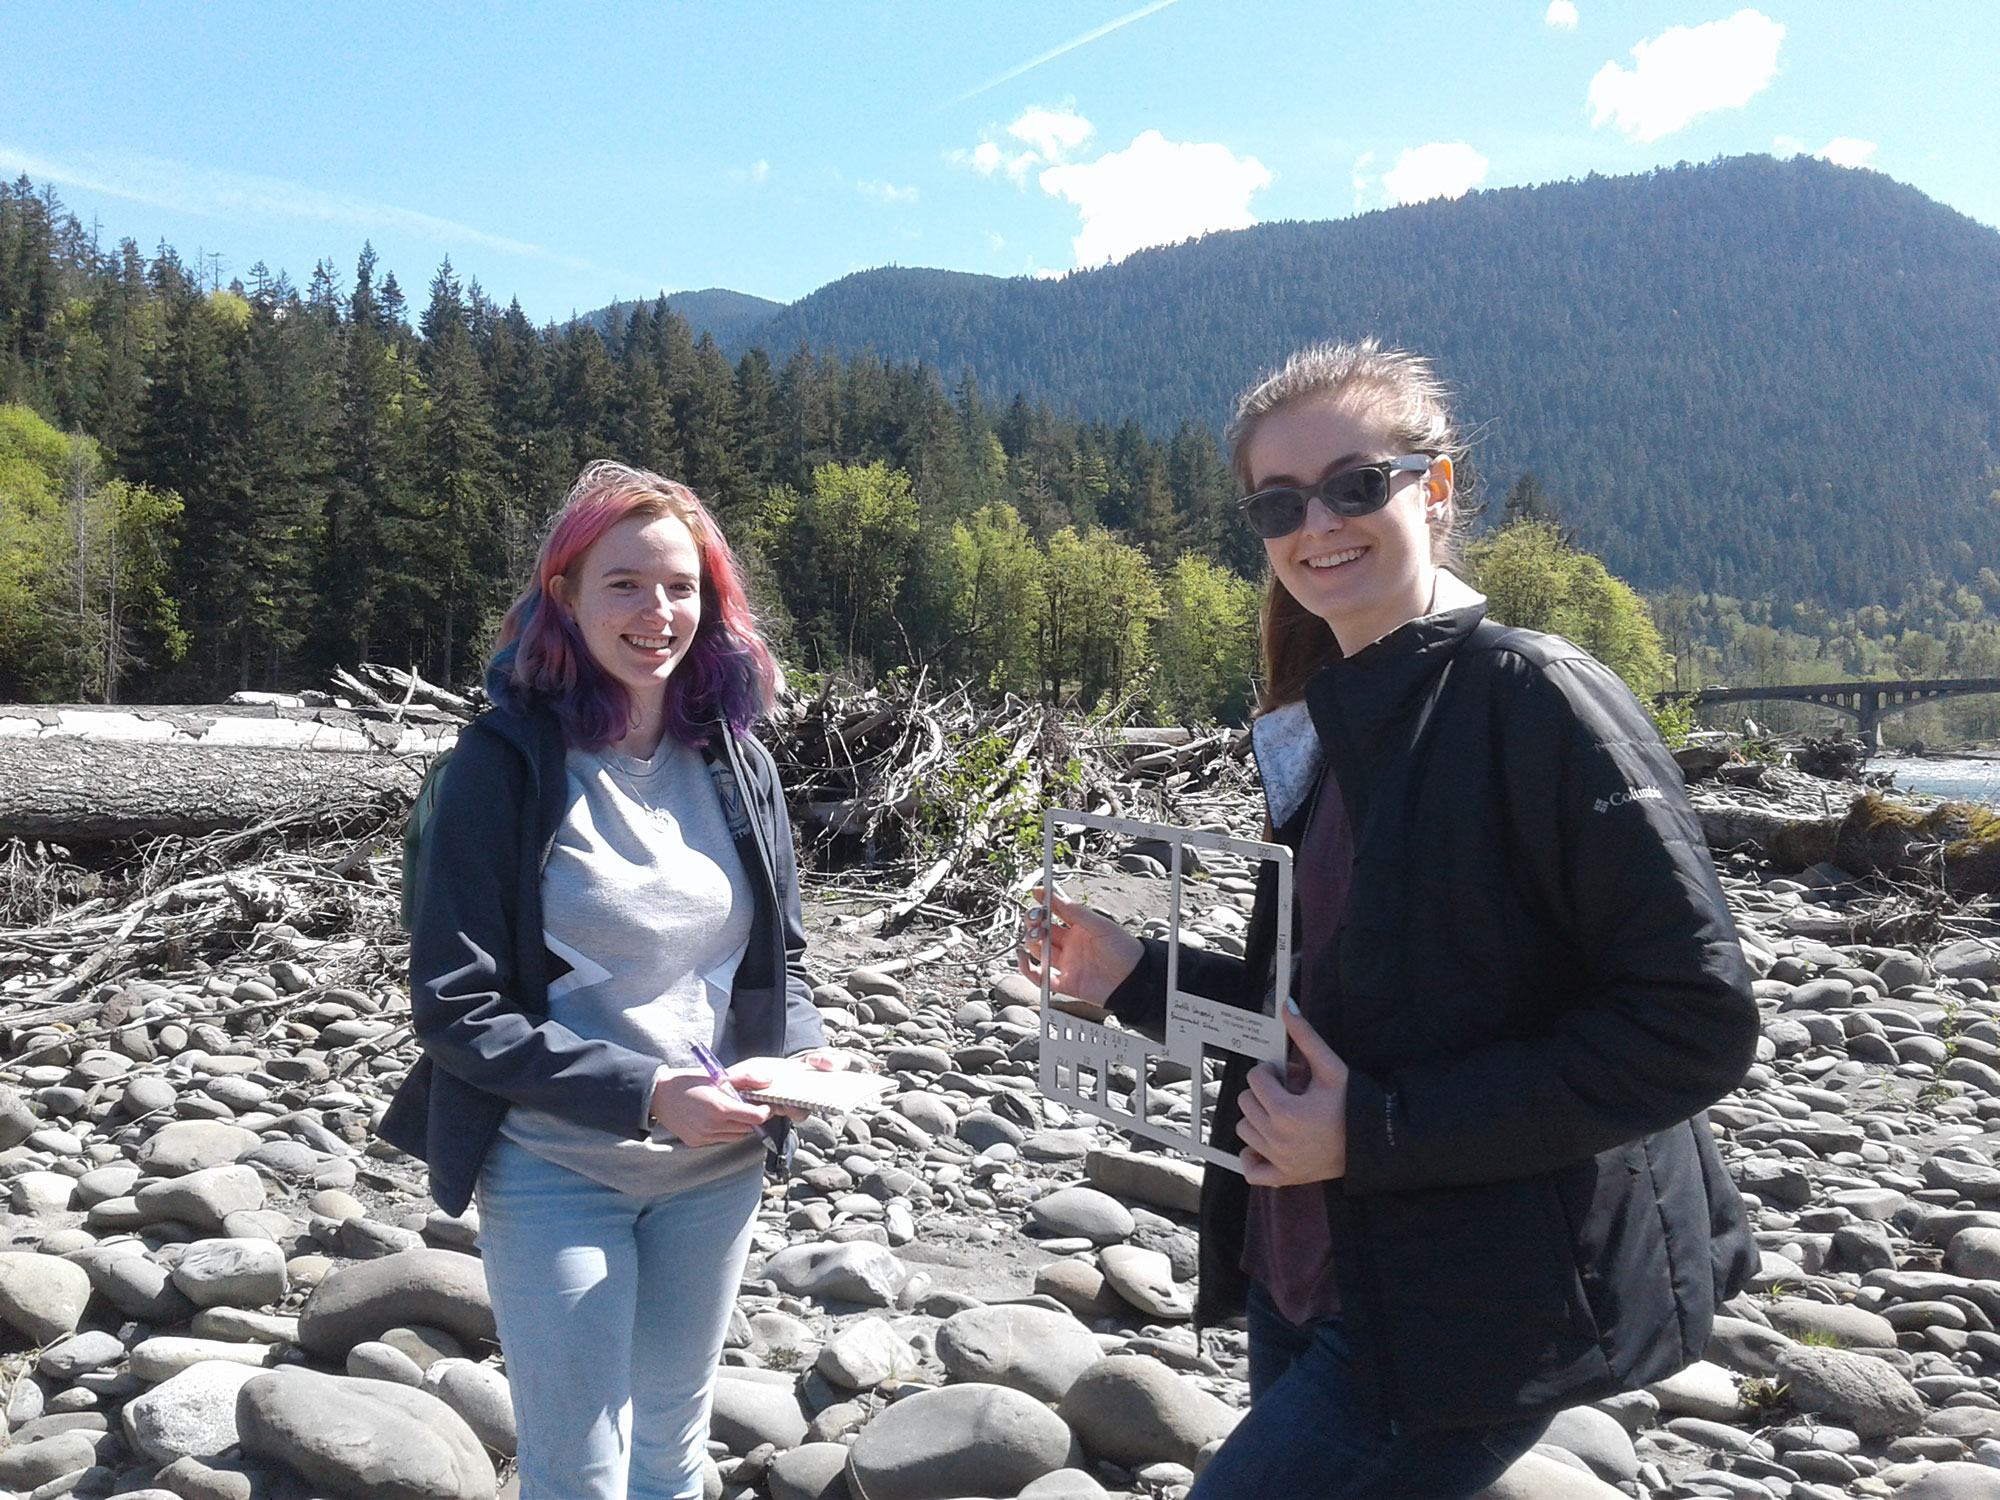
x=1363 y=575
x=635 y=596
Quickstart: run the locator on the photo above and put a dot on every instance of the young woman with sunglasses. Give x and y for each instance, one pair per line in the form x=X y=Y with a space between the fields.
x=1483 y=1189
x=607 y=889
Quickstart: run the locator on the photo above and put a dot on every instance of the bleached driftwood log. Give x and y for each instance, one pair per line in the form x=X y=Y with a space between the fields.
x=74 y=788
x=412 y=730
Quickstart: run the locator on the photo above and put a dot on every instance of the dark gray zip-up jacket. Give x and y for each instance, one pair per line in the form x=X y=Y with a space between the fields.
x=479 y=971
x=1538 y=988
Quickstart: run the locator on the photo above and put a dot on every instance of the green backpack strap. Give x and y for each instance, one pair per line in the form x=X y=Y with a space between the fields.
x=413 y=836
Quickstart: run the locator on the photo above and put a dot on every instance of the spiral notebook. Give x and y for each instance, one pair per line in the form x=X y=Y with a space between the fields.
x=798 y=1086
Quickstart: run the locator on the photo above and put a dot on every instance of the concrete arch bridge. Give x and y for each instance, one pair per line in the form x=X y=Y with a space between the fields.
x=1868 y=702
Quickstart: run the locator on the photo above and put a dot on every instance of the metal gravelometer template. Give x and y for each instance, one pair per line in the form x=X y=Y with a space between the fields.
x=1078 y=1056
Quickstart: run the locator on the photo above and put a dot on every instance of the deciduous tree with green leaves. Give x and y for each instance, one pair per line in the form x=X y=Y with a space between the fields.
x=1533 y=578
x=83 y=563
x=862 y=519
x=1205 y=648
x=1000 y=574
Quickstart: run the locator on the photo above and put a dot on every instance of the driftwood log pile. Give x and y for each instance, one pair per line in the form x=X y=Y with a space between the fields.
x=76 y=774
x=955 y=791
x=123 y=830
x=1794 y=821
x=909 y=803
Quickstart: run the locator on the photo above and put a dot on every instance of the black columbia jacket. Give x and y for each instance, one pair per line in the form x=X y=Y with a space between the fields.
x=1538 y=988
x=480 y=971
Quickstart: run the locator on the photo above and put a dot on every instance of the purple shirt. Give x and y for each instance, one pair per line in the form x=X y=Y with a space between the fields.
x=1286 y=1245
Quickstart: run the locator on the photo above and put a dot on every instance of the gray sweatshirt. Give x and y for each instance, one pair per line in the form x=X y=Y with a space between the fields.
x=646 y=901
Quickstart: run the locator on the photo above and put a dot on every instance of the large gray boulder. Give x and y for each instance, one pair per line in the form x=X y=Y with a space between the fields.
x=165 y=1355
x=192 y=1415
x=1599 y=1439
x=202 y=1198
x=1853 y=1327
x=362 y=1439
x=956 y=1440
x=1164 y=1181
x=1082 y=1212
x=231 y=1273
x=1535 y=1476
x=230 y=1479
x=41 y=1296
x=1954 y=1481
x=1969 y=958
x=1032 y=1349
x=1145 y=1278
x=854 y=1271
x=1852 y=1390
x=133 y=1282
x=17 y=1121
x=749 y=1411
x=30 y=1465
x=811 y=1471
x=184 y=1146
x=1065 y=1484
x=439 y=1288
x=1974 y=1252
x=478 y=1393
x=1135 y=1411
x=865 y=1353
x=1746 y=1347
x=1701 y=1390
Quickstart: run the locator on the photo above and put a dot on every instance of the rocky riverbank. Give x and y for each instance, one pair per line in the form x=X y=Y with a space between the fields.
x=218 y=1285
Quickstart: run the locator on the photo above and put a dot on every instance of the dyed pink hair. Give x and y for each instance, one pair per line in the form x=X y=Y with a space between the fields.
x=728 y=672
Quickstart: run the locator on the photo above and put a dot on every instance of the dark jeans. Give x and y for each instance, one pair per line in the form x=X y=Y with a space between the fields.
x=1304 y=1437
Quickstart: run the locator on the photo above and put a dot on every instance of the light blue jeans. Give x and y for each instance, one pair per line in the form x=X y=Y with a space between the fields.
x=611 y=1311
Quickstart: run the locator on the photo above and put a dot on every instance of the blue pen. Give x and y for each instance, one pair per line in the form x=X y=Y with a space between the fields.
x=768 y=1132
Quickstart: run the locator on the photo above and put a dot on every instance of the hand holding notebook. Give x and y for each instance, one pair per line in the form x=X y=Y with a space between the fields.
x=797 y=1084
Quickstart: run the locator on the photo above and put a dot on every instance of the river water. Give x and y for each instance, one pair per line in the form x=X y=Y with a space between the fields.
x=1946 y=776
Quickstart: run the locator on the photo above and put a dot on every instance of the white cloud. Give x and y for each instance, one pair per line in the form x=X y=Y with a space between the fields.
x=996 y=240
x=183 y=187
x=1439 y=170
x=1363 y=179
x=1561 y=15
x=1686 y=72
x=760 y=171
x=1788 y=145
x=1051 y=133
x=887 y=192
x=1155 y=192
x=1845 y=151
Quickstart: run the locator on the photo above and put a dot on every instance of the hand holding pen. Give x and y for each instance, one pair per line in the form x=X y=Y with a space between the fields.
x=704 y=1109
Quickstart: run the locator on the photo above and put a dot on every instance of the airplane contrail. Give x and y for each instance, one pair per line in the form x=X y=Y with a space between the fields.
x=1069 y=46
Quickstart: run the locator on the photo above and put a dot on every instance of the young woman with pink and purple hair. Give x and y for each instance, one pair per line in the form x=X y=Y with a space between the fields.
x=608 y=887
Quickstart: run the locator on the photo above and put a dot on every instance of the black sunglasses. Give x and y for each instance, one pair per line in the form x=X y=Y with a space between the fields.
x=1359 y=491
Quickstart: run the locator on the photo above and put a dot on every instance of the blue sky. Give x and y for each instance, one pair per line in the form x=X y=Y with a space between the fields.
x=568 y=155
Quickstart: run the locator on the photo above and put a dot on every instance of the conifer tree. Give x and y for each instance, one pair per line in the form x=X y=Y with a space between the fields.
x=444 y=536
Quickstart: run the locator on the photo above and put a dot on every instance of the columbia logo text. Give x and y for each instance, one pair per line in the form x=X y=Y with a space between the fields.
x=1630 y=794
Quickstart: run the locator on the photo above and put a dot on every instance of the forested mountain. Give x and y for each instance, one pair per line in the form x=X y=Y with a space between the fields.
x=1776 y=383
x=1762 y=378
x=725 y=316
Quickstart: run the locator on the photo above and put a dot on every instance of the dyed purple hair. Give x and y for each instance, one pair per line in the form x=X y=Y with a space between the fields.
x=728 y=672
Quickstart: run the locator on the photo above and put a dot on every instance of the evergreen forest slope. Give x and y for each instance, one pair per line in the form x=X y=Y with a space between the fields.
x=725 y=316
x=1760 y=378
